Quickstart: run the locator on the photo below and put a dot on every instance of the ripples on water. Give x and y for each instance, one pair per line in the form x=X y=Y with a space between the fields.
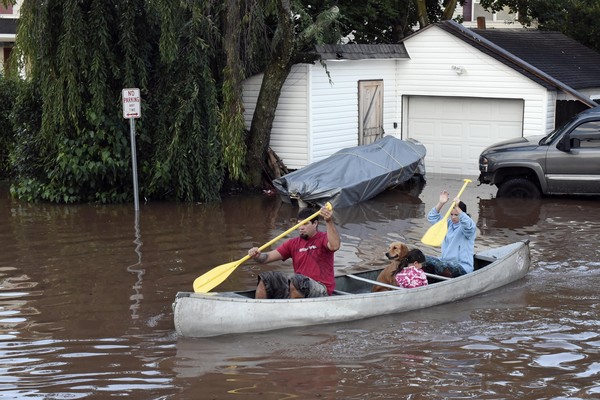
x=86 y=291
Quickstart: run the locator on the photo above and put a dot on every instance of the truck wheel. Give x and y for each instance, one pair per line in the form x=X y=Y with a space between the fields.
x=519 y=188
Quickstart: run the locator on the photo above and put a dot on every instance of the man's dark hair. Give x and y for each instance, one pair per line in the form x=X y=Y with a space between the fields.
x=462 y=206
x=307 y=212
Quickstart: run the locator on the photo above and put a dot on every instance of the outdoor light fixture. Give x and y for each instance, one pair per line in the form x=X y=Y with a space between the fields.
x=459 y=69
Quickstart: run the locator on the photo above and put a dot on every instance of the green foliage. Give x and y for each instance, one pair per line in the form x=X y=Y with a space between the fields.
x=384 y=21
x=187 y=163
x=72 y=141
x=71 y=144
x=232 y=126
x=25 y=159
x=8 y=94
x=89 y=167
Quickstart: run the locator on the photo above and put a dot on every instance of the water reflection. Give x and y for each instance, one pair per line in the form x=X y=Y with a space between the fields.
x=139 y=272
x=560 y=226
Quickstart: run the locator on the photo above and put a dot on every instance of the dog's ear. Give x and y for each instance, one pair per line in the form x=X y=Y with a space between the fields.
x=404 y=250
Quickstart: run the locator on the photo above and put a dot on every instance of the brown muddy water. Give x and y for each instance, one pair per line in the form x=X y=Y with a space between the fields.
x=86 y=294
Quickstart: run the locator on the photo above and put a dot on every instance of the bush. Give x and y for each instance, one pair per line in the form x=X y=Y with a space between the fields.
x=91 y=166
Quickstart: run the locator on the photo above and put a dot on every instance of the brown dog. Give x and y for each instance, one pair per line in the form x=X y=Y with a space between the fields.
x=397 y=251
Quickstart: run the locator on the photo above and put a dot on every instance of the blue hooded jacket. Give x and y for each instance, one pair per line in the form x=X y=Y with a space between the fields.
x=459 y=243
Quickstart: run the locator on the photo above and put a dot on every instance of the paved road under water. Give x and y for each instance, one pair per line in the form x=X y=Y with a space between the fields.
x=86 y=294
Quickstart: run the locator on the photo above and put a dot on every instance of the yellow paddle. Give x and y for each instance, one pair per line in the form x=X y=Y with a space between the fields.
x=436 y=234
x=214 y=277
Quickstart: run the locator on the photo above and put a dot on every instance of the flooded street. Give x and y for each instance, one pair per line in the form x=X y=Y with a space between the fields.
x=86 y=294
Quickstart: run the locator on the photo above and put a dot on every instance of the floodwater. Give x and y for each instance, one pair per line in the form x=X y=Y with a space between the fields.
x=86 y=294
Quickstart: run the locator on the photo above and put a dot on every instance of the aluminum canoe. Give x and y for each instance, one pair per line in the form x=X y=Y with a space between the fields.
x=220 y=313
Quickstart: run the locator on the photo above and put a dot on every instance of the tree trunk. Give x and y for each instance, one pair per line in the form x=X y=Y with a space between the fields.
x=262 y=120
x=449 y=10
x=275 y=75
x=422 y=13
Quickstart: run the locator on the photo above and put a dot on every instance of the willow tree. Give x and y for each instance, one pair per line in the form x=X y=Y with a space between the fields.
x=78 y=55
x=73 y=143
x=187 y=159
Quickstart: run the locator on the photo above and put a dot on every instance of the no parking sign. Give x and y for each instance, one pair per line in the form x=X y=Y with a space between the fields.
x=132 y=109
x=131 y=103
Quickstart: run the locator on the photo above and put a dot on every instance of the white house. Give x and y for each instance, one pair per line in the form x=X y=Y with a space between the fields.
x=8 y=31
x=450 y=87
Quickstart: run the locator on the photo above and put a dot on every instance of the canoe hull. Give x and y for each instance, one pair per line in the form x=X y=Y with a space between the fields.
x=212 y=314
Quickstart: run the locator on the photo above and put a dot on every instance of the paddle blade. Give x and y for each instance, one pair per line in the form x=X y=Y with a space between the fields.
x=214 y=277
x=436 y=234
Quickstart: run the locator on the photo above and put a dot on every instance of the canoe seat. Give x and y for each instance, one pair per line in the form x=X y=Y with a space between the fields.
x=372 y=282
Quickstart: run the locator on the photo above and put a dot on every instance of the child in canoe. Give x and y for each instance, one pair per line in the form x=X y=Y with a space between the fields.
x=409 y=273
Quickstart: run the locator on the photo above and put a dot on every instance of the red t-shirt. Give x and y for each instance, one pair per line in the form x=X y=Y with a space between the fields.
x=312 y=258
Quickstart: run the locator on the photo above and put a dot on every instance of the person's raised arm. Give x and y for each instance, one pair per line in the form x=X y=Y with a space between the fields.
x=457 y=209
x=333 y=237
x=444 y=196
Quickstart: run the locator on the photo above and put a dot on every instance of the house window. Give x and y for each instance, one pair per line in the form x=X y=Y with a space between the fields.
x=4 y=10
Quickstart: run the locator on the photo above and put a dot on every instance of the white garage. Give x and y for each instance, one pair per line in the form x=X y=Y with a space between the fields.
x=456 y=129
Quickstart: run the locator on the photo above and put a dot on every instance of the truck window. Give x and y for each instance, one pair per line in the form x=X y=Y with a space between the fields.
x=587 y=135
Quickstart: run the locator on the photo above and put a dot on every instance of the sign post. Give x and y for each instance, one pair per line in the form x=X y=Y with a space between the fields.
x=132 y=110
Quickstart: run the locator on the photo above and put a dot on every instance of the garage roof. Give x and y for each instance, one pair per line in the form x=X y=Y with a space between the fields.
x=553 y=52
x=362 y=51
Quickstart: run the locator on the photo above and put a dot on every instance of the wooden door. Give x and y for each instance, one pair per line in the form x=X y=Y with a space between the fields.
x=370 y=111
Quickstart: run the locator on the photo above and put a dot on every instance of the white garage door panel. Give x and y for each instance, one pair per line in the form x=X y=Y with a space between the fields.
x=473 y=153
x=451 y=130
x=456 y=129
x=449 y=152
x=480 y=131
x=426 y=129
x=506 y=130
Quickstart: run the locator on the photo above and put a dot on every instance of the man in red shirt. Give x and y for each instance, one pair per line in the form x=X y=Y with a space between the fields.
x=312 y=257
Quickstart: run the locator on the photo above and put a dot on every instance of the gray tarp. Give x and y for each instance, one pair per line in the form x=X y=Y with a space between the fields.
x=354 y=174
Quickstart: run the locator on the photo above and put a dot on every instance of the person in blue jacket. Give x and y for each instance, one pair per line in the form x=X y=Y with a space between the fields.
x=458 y=245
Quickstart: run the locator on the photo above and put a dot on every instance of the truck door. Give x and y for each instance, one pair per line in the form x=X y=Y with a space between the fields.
x=578 y=170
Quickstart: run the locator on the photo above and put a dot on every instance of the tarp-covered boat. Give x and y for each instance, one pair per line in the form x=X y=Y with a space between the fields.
x=355 y=174
x=212 y=314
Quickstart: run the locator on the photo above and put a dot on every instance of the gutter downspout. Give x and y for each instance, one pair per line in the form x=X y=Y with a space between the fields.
x=521 y=63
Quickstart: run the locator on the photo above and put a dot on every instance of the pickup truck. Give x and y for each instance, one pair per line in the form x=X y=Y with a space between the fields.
x=566 y=161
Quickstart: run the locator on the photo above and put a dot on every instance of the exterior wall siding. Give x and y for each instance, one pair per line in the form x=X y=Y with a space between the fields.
x=334 y=109
x=430 y=71
x=550 y=112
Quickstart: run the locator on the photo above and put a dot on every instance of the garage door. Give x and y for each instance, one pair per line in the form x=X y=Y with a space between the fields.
x=455 y=130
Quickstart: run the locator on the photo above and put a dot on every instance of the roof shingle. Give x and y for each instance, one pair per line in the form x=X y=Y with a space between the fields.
x=552 y=52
